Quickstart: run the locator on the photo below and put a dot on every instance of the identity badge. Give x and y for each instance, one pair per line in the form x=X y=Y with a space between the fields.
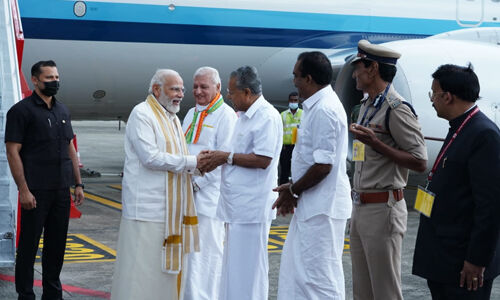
x=358 y=151
x=424 y=201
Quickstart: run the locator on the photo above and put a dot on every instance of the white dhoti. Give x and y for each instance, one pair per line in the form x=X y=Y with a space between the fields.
x=203 y=269
x=137 y=273
x=311 y=262
x=245 y=268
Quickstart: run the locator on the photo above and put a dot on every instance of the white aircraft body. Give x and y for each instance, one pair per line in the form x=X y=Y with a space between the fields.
x=107 y=50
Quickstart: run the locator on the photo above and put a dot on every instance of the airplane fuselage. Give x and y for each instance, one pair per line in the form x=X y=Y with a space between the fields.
x=107 y=50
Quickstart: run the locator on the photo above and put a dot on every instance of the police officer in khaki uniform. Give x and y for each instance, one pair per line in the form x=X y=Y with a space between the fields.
x=388 y=142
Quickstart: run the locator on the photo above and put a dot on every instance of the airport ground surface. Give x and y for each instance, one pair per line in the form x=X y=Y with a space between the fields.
x=92 y=240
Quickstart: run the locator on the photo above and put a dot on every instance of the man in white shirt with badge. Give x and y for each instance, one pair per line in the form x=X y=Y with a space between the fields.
x=207 y=126
x=249 y=172
x=159 y=222
x=311 y=263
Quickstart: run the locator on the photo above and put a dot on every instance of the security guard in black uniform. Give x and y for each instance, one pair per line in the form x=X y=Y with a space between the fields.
x=44 y=164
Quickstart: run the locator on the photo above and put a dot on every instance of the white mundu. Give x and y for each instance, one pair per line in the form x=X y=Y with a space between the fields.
x=204 y=268
x=320 y=217
x=246 y=203
x=149 y=257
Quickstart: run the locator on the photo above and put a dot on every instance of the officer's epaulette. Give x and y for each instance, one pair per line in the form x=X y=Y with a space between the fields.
x=393 y=101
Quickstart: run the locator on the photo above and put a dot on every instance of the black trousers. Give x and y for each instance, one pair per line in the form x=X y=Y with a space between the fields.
x=285 y=163
x=52 y=216
x=445 y=291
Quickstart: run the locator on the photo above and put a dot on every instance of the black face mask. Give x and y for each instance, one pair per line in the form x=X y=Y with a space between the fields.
x=51 y=88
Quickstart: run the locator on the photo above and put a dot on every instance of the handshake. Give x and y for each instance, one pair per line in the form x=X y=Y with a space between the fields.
x=207 y=160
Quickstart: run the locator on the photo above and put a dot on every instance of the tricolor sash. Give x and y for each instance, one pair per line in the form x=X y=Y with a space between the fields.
x=212 y=106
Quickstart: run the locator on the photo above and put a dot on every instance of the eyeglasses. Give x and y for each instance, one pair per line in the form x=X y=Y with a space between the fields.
x=177 y=89
x=432 y=94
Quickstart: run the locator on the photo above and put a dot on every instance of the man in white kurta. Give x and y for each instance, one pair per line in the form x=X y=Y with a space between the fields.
x=207 y=126
x=151 y=165
x=311 y=263
x=249 y=172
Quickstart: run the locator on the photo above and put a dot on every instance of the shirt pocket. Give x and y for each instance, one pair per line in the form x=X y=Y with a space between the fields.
x=206 y=135
x=373 y=155
x=304 y=140
x=66 y=129
x=44 y=128
x=243 y=141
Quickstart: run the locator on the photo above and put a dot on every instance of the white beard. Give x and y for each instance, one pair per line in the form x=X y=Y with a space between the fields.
x=168 y=103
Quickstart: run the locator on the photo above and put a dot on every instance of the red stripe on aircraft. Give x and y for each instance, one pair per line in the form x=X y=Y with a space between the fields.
x=67 y=288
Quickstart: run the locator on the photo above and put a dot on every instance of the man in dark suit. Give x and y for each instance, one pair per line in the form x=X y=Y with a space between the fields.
x=457 y=246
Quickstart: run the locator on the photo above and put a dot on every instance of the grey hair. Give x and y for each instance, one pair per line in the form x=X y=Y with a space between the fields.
x=212 y=72
x=247 y=77
x=159 y=77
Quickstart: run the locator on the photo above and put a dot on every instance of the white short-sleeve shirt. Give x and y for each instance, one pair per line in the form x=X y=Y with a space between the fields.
x=322 y=138
x=246 y=193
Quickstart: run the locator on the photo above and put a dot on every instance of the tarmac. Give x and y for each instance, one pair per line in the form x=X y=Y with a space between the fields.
x=92 y=239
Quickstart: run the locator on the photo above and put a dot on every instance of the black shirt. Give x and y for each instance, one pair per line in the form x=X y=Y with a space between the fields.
x=45 y=135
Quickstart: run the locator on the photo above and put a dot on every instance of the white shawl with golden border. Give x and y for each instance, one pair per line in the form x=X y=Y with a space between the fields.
x=181 y=221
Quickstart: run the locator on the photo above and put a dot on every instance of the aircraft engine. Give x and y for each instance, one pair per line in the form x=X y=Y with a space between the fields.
x=420 y=58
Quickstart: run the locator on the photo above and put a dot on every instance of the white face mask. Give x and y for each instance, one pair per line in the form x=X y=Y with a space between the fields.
x=168 y=103
x=293 y=105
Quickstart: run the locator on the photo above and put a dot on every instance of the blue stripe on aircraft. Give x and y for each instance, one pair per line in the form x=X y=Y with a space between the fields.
x=213 y=17
x=35 y=28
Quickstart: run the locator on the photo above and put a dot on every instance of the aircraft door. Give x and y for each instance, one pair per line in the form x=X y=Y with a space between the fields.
x=470 y=13
x=10 y=92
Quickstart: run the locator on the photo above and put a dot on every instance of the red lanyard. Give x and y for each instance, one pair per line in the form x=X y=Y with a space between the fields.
x=438 y=160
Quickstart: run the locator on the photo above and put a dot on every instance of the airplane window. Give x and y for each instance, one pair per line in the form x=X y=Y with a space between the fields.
x=79 y=8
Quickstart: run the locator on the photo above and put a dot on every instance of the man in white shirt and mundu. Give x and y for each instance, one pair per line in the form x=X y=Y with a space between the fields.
x=311 y=263
x=208 y=125
x=249 y=172
x=159 y=222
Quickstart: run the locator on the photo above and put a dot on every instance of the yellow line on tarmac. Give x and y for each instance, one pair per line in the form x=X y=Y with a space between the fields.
x=115 y=186
x=87 y=261
x=101 y=200
x=271 y=240
x=95 y=243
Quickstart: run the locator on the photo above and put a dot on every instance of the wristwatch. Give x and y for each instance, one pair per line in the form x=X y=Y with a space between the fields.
x=229 y=160
x=80 y=184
